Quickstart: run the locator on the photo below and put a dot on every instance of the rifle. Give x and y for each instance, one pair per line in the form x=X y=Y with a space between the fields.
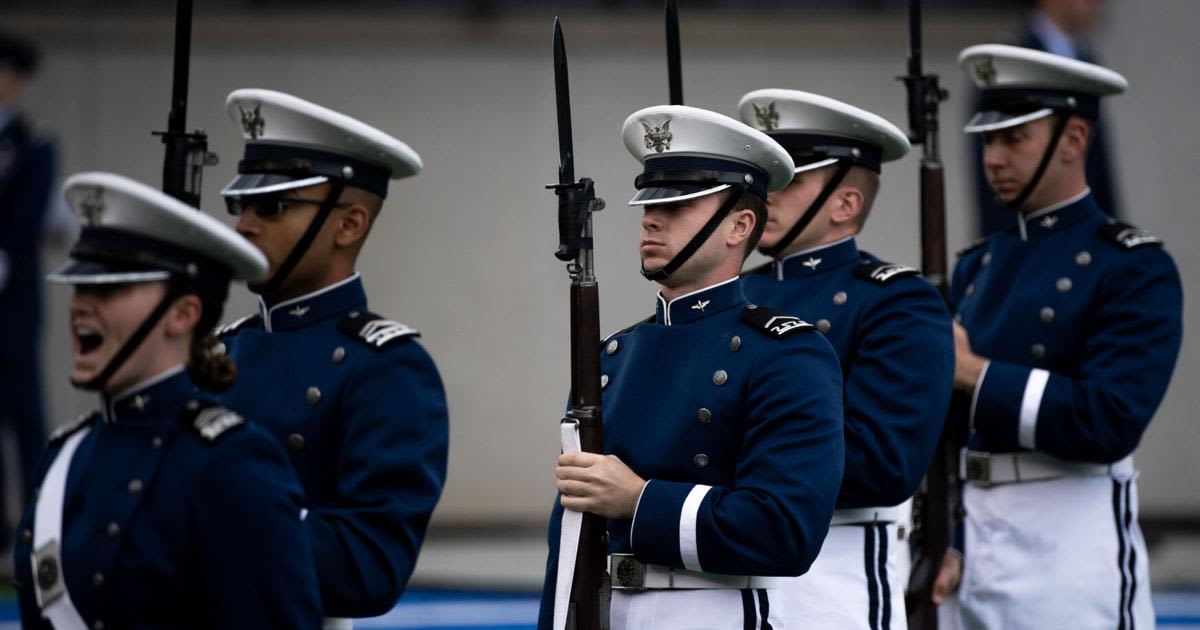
x=932 y=502
x=674 y=72
x=588 y=605
x=186 y=153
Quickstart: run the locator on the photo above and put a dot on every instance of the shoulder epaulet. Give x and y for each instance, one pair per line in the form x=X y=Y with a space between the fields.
x=210 y=421
x=1128 y=237
x=881 y=272
x=976 y=244
x=760 y=270
x=773 y=323
x=249 y=321
x=62 y=433
x=375 y=331
x=630 y=327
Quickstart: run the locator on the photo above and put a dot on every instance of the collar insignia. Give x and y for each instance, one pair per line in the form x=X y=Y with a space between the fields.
x=140 y=402
x=985 y=71
x=1049 y=221
x=658 y=138
x=768 y=117
x=91 y=205
x=253 y=122
x=299 y=311
x=699 y=306
x=812 y=263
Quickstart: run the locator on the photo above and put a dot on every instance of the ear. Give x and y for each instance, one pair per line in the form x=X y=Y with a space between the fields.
x=742 y=227
x=351 y=225
x=1074 y=142
x=847 y=204
x=183 y=315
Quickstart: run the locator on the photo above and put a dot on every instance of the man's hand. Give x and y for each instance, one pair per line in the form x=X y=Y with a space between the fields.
x=600 y=484
x=948 y=578
x=967 y=364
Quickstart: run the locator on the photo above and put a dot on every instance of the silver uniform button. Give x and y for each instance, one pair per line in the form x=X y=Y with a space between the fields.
x=1037 y=351
x=1083 y=258
x=156 y=442
x=135 y=486
x=1047 y=314
x=986 y=259
x=313 y=395
x=612 y=347
x=970 y=289
x=720 y=377
x=823 y=325
x=704 y=416
x=1063 y=285
x=98 y=579
x=98 y=625
x=603 y=381
x=735 y=344
x=296 y=442
x=27 y=536
x=752 y=306
x=701 y=460
x=113 y=529
x=339 y=354
x=839 y=298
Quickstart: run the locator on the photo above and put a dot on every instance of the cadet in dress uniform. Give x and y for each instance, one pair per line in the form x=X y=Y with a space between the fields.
x=162 y=509
x=1070 y=327
x=354 y=397
x=892 y=334
x=722 y=418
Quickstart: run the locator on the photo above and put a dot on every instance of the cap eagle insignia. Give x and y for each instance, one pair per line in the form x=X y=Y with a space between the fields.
x=658 y=138
x=252 y=121
x=768 y=117
x=985 y=71
x=91 y=205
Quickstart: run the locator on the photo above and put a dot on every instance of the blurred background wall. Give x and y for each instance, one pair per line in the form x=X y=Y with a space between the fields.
x=464 y=251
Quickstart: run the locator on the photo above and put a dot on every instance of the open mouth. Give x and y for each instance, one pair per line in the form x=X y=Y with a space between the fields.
x=87 y=339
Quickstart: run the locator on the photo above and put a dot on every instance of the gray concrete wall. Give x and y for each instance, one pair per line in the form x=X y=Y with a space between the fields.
x=463 y=252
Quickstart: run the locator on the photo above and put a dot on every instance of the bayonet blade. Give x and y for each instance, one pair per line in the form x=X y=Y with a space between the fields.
x=674 y=71
x=562 y=95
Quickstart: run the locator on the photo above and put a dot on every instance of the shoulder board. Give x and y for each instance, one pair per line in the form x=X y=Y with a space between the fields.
x=62 y=433
x=883 y=273
x=1128 y=237
x=630 y=327
x=773 y=323
x=375 y=331
x=249 y=321
x=760 y=270
x=976 y=244
x=210 y=421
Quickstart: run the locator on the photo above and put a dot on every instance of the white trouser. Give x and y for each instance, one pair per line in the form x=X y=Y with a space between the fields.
x=697 y=609
x=1062 y=553
x=857 y=582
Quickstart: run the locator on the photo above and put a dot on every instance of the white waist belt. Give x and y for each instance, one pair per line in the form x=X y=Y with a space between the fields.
x=989 y=469
x=628 y=574
x=858 y=516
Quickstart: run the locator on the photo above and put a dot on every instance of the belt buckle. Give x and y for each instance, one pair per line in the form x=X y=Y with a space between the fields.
x=626 y=572
x=47 y=574
x=979 y=468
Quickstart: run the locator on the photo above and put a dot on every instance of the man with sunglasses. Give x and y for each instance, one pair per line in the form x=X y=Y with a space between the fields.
x=892 y=334
x=356 y=400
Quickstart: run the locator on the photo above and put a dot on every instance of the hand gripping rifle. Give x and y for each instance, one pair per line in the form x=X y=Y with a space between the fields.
x=588 y=606
x=932 y=503
x=186 y=153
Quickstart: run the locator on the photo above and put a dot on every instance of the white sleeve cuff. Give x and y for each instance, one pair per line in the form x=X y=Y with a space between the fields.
x=975 y=394
x=1031 y=402
x=688 y=551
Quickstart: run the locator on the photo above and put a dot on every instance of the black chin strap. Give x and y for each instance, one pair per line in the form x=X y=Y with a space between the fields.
x=736 y=192
x=302 y=245
x=100 y=380
x=843 y=168
x=1059 y=127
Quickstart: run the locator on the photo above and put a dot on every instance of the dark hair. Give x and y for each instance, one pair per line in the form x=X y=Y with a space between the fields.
x=208 y=365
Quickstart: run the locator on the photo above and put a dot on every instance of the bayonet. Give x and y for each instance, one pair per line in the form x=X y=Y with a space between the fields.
x=674 y=71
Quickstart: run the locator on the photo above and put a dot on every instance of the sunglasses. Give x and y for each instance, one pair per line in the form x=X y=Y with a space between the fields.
x=270 y=206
